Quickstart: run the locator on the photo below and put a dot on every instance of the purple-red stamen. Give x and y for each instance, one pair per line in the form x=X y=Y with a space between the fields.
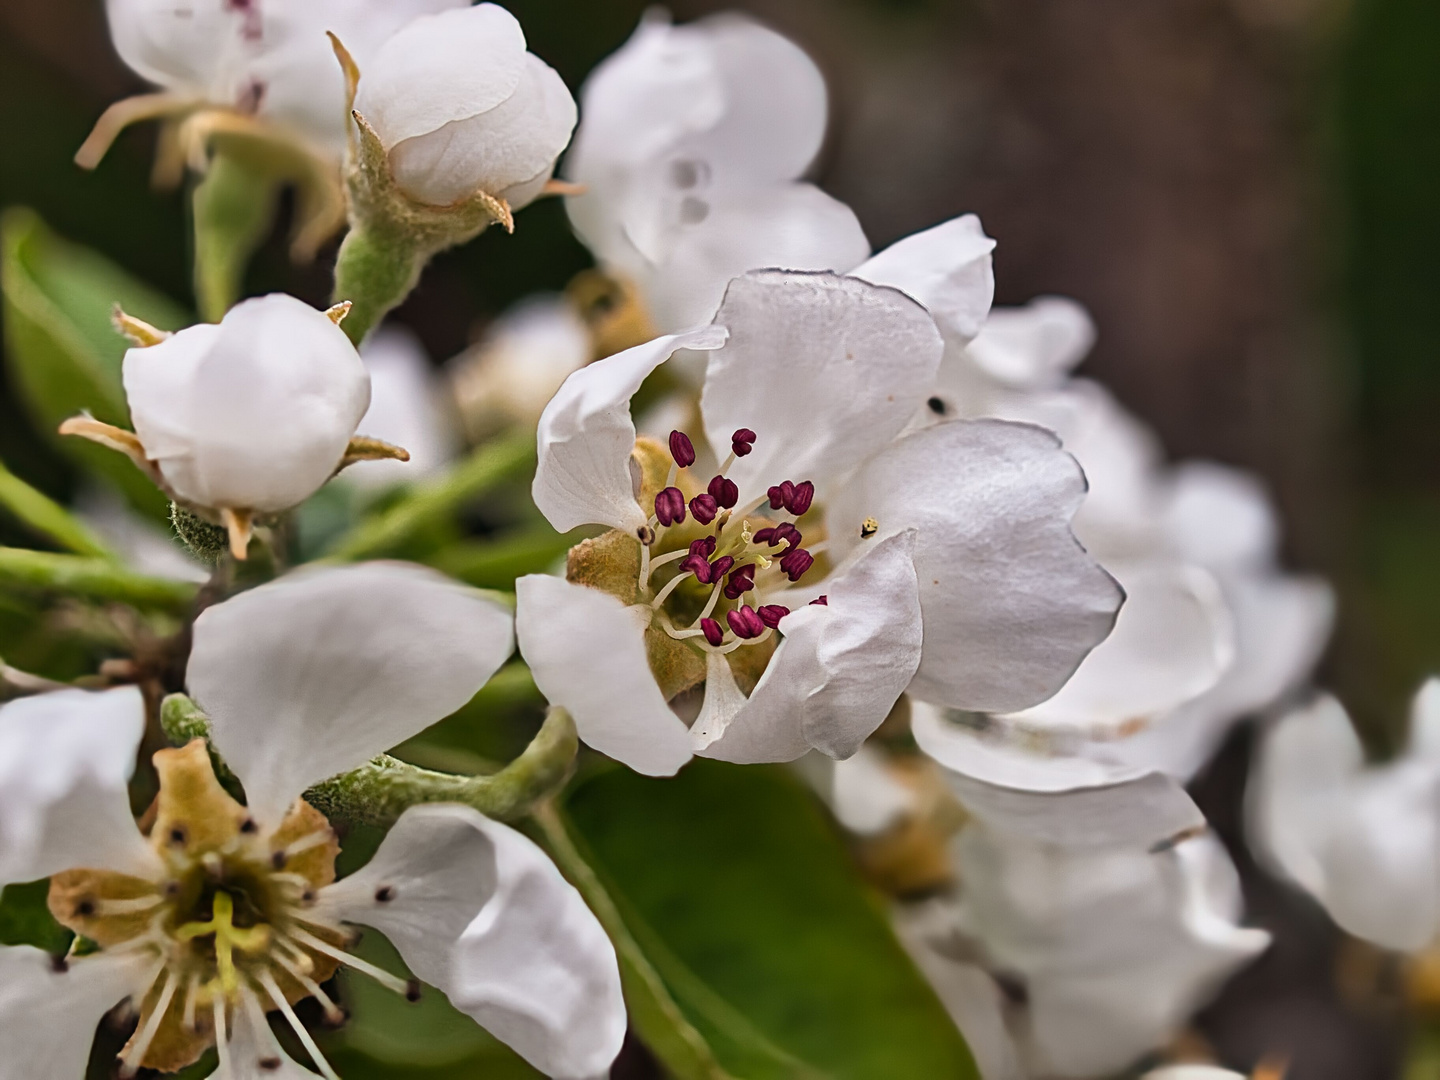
x=801 y=496
x=741 y=582
x=764 y=536
x=704 y=547
x=795 y=562
x=771 y=614
x=742 y=442
x=746 y=622
x=720 y=567
x=698 y=565
x=724 y=492
x=711 y=628
x=682 y=449
x=670 y=506
x=704 y=508
x=780 y=494
x=822 y=600
x=785 y=533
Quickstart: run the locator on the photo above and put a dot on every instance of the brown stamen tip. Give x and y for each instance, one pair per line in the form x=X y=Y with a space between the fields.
x=278 y=860
x=646 y=535
x=85 y=908
x=269 y=1064
x=384 y=894
x=249 y=826
x=178 y=836
x=412 y=990
x=59 y=964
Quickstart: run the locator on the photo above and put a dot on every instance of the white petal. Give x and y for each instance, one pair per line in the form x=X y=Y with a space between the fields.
x=253 y=1048
x=1046 y=794
x=587 y=652
x=178 y=53
x=253 y=414
x=65 y=760
x=478 y=911
x=1425 y=722
x=1031 y=347
x=316 y=673
x=1191 y=1072
x=1172 y=641
x=1011 y=601
x=839 y=670
x=48 y=1016
x=516 y=141
x=407 y=409
x=1221 y=517
x=864 y=794
x=947 y=268
x=440 y=68
x=701 y=241
x=586 y=437
x=826 y=370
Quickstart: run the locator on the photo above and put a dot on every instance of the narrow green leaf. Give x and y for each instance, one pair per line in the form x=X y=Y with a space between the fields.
x=764 y=933
x=25 y=918
x=63 y=354
x=92 y=579
x=496 y=563
x=47 y=517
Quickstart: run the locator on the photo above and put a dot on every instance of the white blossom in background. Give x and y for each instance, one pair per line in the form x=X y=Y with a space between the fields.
x=267 y=59
x=513 y=372
x=1363 y=840
x=302 y=678
x=143 y=544
x=410 y=406
x=1193 y=1072
x=947 y=564
x=690 y=148
x=461 y=107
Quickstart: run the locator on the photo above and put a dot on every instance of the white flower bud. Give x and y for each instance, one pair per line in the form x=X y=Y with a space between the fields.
x=254 y=413
x=460 y=107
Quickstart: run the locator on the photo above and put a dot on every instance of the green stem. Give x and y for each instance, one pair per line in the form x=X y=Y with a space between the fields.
x=497 y=562
x=47 y=517
x=435 y=500
x=234 y=209
x=91 y=579
x=375 y=271
x=662 y=1025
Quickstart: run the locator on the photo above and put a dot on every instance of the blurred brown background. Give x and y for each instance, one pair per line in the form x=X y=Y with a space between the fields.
x=1246 y=193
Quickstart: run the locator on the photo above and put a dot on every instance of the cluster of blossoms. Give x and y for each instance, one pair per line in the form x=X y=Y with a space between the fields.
x=875 y=509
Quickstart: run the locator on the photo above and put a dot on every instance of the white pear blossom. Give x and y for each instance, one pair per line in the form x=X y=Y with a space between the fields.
x=690 y=149
x=1363 y=840
x=1192 y=1072
x=513 y=372
x=461 y=107
x=226 y=912
x=267 y=58
x=1108 y=949
x=410 y=406
x=946 y=566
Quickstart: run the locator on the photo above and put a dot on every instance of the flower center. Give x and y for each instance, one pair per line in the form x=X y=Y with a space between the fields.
x=230 y=923
x=707 y=563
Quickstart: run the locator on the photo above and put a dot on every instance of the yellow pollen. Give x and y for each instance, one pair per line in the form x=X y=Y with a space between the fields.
x=228 y=938
x=868 y=528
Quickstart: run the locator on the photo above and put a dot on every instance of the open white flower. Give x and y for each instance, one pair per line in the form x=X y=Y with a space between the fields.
x=945 y=559
x=246 y=417
x=1363 y=840
x=690 y=147
x=270 y=60
x=225 y=912
x=461 y=107
x=1111 y=948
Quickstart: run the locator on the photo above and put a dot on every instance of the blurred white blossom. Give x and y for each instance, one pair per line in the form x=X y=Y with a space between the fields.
x=461 y=107
x=301 y=678
x=410 y=406
x=961 y=528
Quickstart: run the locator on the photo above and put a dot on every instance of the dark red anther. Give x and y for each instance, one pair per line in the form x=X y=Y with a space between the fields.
x=785 y=533
x=795 y=562
x=713 y=634
x=742 y=442
x=781 y=494
x=771 y=614
x=704 y=509
x=698 y=565
x=670 y=506
x=682 y=449
x=741 y=582
x=704 y=547
x=720 y=567
x=724 y=492
x=745 y=622
x=764 y=536
x=801 y=496
x=822 y=600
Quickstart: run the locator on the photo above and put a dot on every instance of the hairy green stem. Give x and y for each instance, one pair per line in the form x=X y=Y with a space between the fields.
x=375 y=271
x=433 y=501
x=234 y=209
x=91 y=578
x=662 y=1025
x=47 y=517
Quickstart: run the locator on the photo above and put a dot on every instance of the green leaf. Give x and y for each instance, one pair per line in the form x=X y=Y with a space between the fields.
x=496 y=563
x=63 y=353
x=742 y=896
x=25 y=918
x=48 y=518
